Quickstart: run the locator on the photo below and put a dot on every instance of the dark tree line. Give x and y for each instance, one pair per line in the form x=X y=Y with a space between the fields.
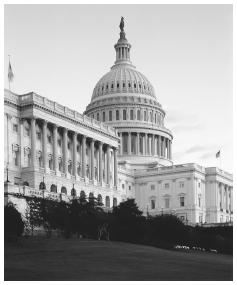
x=86 y=218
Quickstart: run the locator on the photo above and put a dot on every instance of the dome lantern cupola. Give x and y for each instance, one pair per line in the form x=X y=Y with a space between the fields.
x=122 y=47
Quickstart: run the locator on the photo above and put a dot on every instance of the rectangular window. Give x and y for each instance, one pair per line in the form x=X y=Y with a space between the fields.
x=181 y=201
x=167 y=203
x=153 y=204
x=15 y=128
x=181 y=184
x=167 y=185
x=131 y=114
x=152 y=187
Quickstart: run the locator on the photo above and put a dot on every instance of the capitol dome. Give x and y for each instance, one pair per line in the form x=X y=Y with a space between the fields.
x=125 y=99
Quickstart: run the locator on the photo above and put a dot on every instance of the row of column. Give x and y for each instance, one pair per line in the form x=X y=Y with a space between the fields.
x=74 y=148
x=225 y=202
x=151 y=144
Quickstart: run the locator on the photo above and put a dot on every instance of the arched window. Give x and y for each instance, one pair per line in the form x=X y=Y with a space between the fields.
x=25 y=183
x=107 y=202
x=98 y=117
x=114 y=202
x=155 y=118
x=103 y=116
x=42 y=186
x=124 y=115
x=110 y=115
x=53 y=188
x=117 y=115
x=139 y=115
x=73 y=192
x=145 y=118
x=131 y=114
x=99 y=199
x=64 y=190
x=151 y=117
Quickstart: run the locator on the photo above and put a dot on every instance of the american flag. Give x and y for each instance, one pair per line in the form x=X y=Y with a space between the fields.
x=218 y=154
x=10 y=73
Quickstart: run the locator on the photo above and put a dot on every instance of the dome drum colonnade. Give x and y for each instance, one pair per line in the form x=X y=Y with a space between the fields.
x=125 y=99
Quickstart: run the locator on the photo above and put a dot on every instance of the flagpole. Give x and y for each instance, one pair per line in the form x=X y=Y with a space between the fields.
x=9 y=84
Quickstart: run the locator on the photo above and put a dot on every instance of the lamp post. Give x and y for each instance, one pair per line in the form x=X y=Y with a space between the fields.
x=7 y=172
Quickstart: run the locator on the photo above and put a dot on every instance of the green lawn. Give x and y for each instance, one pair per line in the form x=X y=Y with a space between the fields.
x=60 y=259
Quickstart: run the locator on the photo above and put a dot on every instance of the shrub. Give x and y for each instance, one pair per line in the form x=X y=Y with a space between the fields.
x=13 y=224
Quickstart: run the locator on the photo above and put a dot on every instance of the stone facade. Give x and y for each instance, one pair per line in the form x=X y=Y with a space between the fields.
x=119 y=149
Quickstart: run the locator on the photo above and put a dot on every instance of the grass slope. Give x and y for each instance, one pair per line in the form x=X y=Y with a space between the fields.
x=41 y=259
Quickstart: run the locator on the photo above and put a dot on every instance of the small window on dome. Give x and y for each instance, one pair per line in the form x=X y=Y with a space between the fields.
x=129 y=84
x=107 y=86
x=117 y=85
x=123 y=85
x=112 y=85
x=102 y=88
x=140 y=86
x=135 y=86
x=144 y=87
x=98 y=117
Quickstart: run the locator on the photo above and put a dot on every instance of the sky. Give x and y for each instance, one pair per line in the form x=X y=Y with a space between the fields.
x=61 y=51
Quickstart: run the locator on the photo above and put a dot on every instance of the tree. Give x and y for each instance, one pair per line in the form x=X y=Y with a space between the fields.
x=33 y=213
x=13 y=223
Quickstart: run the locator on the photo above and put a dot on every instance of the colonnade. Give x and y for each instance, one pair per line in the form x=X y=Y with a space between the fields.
x=225 y=197
x=145 y=144
x=104 y=154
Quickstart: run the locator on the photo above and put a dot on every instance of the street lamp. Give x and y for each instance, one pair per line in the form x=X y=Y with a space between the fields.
x=7 y=172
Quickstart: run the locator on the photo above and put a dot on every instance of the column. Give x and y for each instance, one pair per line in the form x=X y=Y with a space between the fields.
x=129 y=143
x=45 y=158
x=171 y=149
x=108 y=164
x=33 y=142
x=92 y=145
x=143 y=145
x=55 y=148
x=115 y=167
x=146 y=142
x=153 y=145
x=121 y=143
x=163 y=147
x=100 y=162
x=138 y=143
x=83 y=156
x=65 y=151
x=168 y=148
x=74 y=159
x=159 y=146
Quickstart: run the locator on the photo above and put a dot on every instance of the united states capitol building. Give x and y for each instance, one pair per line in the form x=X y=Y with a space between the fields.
x=119 y=148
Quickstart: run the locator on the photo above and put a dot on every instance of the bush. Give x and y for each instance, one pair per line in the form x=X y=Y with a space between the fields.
x=13 y=224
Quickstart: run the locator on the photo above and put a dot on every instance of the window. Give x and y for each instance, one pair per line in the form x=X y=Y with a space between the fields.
x=152 y=187
x=38 y=134
x=167 y=203
x=200 y=219
x=153 y=204
x=129 y=187
x=112 y=86
x=15 y=155
x=124 y=115
x=199 y=184
x=27 y=132
x=199 y=200
x=122 y=186
x=117 y=115
x=167 y=185
x=135 y=86
x=15 y=128
x=103 y=116
x=181 y=201
x=131 y=114
x=151 y=117
x=107 y=202
x=49 y=139
x=117 y=85
x=110 y=115
x=138 y=115
x=145 y=117
x=123 y=85
x=181 y=184
x=115 y=202
x=98 y=117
